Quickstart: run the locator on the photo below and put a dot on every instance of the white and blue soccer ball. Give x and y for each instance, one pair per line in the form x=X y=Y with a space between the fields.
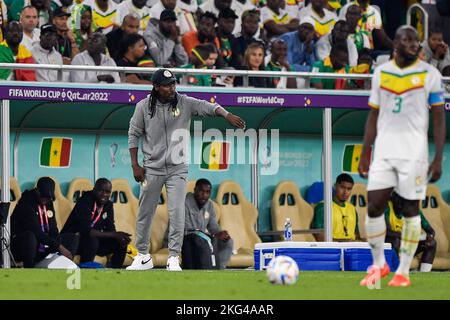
x=282 y=270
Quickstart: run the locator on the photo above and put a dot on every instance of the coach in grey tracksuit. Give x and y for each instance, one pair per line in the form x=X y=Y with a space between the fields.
x=155 y=119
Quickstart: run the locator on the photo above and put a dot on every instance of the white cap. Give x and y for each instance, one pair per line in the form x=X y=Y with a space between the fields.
x=307 y=19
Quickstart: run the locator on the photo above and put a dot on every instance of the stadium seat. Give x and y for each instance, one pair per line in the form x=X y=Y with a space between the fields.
x=190 y=186
x=77 y=187
x=287 y=202
x=123 y=194
x=15 y=193
x=359 y=200
x=238 y=217
x=62 y=206
x=437 y=212
x=159 y=226
x=125 y=209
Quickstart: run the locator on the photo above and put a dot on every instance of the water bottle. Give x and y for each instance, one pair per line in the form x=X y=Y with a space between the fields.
x=288 y=230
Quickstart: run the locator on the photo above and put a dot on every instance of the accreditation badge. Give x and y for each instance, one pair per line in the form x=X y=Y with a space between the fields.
x=104 y=215
x=176 y=112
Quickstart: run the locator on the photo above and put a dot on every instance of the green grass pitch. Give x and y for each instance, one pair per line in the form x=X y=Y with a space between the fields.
x=215 y=285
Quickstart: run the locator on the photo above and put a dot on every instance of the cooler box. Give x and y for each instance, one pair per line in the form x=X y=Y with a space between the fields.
x=357 y=256
x=320 y=256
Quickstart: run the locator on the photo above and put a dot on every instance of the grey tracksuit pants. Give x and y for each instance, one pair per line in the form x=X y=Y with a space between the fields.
x=148 y=201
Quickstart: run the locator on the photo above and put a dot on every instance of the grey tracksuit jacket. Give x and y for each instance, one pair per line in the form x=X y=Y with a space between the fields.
x=157 y=132
x=164 y=163
x=163 y=49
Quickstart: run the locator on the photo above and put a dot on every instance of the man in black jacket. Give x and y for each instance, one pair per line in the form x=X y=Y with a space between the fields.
x=93 y=219
x=34 y=231
x=114 y=39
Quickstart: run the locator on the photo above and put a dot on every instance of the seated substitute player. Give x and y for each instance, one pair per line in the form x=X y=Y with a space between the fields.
x=345 y=218
x=202 y=232
x=394 y=224
x=93 y=219
x=402 y=91
x=35 y=239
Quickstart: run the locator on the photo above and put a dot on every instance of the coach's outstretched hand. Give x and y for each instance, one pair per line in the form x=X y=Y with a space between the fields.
x=235 y=121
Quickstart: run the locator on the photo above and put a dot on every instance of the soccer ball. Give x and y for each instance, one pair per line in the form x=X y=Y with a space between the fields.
x=282 y=270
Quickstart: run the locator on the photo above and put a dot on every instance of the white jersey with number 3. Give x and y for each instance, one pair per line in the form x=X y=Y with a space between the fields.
x=403 y=97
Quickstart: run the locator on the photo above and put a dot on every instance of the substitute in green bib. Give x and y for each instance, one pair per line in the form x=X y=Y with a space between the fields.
x=345 y=217
x=394 y=227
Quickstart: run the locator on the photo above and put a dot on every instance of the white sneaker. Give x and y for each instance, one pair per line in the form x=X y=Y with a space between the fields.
x=141 y=262
x=173 y=263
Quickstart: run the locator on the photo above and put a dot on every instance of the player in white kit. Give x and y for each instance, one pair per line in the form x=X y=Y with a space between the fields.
x=402 y=91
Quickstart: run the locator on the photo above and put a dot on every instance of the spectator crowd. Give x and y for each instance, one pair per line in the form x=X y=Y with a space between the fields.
x=273 y=35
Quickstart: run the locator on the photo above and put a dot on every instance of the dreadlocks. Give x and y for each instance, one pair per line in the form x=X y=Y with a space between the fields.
x=152 y=102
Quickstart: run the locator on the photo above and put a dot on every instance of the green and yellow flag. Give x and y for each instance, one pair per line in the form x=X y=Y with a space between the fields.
x=352 y=154
x=55 y=152
x=215 y=155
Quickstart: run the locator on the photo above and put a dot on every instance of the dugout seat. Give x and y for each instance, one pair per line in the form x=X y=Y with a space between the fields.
x=125 y=209
x=160 y=223
x=238 y=217
x=14 y=193
x=359 y=199
x=437 y=212
x=190 y=186
x=287 y=202
x=77 y=187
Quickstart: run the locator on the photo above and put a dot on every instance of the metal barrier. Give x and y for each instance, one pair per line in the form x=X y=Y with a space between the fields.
x=183 y=71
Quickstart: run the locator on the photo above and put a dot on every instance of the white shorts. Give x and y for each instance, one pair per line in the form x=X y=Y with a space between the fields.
x=407 y=177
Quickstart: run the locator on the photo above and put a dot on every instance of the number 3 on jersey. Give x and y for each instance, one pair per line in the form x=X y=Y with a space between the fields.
x=398 y=105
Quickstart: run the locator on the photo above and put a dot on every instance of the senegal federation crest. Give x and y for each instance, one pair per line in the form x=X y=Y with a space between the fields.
x=418 y=180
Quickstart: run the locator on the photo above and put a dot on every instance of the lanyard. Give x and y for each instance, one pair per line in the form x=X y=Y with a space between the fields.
x=43 y=212
x=93 y=214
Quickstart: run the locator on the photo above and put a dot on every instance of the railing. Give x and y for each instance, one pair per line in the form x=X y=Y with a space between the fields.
x=183 y=71
x=123 y=70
